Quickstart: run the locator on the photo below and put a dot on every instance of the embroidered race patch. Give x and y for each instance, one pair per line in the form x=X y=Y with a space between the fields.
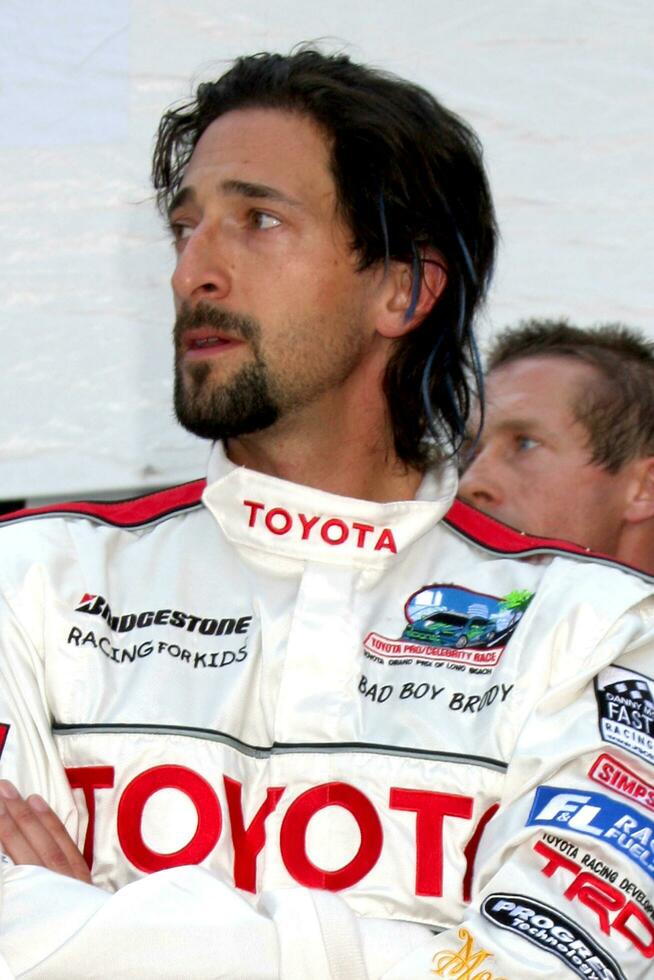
x=450 y=624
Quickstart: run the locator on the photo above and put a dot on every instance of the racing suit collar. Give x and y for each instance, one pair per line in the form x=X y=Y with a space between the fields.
x=283 y=518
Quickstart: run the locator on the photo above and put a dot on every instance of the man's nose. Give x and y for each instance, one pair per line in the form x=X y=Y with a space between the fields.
x=481 y=484
x=201 y=271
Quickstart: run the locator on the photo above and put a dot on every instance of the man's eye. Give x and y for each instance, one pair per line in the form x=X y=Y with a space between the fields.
x=526 y=442
x=264 y=221
x=468 y=451
x=179 y=231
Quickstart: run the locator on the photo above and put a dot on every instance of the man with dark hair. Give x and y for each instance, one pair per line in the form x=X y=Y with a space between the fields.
x=409 y=191
x=277 y=711
x=567 y=448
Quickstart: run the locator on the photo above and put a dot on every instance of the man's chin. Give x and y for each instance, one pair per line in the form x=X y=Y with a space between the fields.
x=224 y=411
x=217 y=426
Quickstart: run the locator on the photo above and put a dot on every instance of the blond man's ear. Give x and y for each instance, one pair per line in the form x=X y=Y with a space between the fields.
x=640 y=505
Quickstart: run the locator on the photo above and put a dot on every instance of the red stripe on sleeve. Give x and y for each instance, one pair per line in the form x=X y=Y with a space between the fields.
x=124 y=513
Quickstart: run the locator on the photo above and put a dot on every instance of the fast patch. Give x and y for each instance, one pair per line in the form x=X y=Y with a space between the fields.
x=625 y=703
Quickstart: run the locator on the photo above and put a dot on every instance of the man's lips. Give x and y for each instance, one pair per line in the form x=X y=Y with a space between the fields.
x=206 y=342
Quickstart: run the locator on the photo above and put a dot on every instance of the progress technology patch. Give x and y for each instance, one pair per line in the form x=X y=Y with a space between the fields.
x=553 y=932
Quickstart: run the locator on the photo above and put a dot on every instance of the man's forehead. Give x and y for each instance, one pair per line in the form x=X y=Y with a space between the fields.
x=539 y=379
x=274 y=148
x=535 y=395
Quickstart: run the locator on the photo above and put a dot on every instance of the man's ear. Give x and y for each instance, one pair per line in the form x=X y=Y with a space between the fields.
x=640 y=506
x=406 y=303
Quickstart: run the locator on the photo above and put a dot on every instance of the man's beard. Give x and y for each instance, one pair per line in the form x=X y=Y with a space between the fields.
x=222 y=411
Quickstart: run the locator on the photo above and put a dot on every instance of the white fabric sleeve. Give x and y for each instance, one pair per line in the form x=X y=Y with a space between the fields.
x=589 y=893
x=185 y=922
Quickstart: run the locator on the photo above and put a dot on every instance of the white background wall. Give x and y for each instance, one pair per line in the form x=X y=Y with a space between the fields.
x=560 y=91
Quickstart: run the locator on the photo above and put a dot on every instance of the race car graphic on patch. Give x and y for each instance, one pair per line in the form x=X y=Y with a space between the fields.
x=625 y=704
x=447 y=623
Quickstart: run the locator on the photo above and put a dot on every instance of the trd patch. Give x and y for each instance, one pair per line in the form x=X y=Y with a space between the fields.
x=4 y=731
x=625 y=704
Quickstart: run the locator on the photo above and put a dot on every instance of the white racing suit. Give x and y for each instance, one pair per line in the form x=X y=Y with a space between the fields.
x=300 y=735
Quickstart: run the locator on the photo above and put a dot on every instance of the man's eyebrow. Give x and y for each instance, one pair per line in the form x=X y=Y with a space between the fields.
x=240 y=188
x=520 y=425
x=184 y=195
x=245 y=188
x=518 y=422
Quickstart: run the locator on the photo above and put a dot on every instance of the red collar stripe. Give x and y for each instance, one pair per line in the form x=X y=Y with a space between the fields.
x=491 y=535
x=494 y=536
x=121 y=513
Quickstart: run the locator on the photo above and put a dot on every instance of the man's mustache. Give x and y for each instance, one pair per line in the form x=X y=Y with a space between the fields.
x=206 y=315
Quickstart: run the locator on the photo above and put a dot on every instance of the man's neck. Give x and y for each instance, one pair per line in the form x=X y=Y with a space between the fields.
x=331 y=460
x=341 y=442
x=636 y=546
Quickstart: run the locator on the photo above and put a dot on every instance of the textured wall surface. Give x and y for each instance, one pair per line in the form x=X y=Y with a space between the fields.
x=560 y=91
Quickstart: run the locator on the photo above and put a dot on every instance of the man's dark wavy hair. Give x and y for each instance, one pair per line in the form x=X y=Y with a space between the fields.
x=409 y=176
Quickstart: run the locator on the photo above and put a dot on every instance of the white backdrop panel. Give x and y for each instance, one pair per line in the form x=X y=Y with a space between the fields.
x=560 y=91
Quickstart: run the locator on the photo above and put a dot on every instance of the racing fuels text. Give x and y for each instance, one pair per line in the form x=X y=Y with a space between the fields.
x=595 y=815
